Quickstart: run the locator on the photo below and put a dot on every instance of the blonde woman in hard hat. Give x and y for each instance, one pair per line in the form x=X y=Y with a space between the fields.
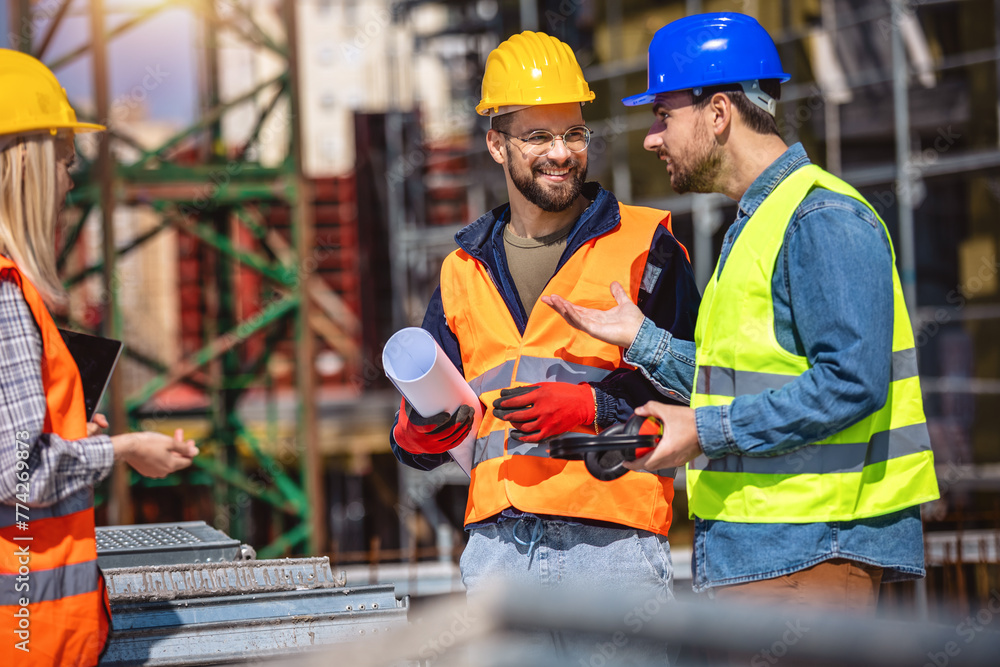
x=52 y=600
x=534 y=520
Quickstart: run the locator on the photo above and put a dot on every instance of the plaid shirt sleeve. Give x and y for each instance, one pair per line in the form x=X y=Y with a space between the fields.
x=58 y=468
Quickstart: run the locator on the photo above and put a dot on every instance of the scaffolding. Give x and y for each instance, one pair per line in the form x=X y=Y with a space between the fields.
x=220 y=202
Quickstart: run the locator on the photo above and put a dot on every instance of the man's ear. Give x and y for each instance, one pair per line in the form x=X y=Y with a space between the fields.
x=721 y=112
x=496 y=146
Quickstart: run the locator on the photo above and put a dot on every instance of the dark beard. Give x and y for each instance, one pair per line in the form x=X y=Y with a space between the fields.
x=548 y=201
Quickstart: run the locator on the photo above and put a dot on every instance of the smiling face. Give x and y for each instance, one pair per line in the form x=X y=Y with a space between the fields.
x=552 y=182
x=681 y=137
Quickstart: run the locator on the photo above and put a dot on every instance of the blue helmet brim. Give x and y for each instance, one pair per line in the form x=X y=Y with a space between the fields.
x=650 y=95
x=637 y=100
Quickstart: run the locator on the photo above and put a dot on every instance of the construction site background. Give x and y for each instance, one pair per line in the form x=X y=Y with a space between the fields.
x=281 y=181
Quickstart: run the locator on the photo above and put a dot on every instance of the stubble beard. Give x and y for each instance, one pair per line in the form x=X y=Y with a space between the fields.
x=702 y=175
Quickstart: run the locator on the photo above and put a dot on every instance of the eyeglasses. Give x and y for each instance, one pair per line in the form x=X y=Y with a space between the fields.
x=541 y=142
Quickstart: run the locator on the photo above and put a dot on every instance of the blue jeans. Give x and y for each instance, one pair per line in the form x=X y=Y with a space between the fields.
x=565 y=556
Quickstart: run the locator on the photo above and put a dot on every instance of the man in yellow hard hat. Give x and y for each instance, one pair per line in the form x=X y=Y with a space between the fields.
x=535 y=520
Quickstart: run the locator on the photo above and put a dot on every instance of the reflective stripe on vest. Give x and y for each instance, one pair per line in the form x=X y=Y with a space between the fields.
x=510 y=473
x=540 y=369
x=728 y=382
x=63 y=589
x=49 y=585
x=81 y=500
x=829 y=458
x=881 y=464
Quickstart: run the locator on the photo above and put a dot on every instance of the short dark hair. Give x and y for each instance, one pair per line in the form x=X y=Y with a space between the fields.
x=502 y=122
x=755 y=118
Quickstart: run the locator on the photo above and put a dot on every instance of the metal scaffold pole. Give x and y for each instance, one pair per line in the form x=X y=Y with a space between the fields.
x=304 y=239
x=904 y=181
x=20 y=25
x=621 y=175
x=120 y=501
x=996 y=62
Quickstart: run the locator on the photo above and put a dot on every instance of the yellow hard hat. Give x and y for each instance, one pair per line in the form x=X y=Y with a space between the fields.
x=530 y=69
x=31 y=99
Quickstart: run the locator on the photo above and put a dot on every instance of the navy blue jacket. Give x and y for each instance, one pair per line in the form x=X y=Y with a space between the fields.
x=668 y=296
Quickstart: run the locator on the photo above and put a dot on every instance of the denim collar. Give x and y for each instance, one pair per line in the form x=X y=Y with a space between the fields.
x=764 y=185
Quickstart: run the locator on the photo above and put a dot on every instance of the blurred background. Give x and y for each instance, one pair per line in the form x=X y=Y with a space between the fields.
x=282 y=179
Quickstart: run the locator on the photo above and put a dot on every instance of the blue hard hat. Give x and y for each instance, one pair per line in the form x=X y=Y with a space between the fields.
x=709 y=50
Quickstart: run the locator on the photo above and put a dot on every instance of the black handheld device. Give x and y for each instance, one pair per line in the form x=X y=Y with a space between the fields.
x=606 y=454
x=96 y=358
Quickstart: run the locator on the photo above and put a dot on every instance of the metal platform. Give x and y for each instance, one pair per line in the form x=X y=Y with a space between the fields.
x=199 y=613
x=164 y=544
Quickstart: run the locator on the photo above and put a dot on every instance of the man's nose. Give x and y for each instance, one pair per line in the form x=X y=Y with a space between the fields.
x=559 y=150
x=653 y=141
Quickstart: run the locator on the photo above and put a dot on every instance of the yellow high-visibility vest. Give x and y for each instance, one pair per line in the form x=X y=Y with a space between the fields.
x=881 y=464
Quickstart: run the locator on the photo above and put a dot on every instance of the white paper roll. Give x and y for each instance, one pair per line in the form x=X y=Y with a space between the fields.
x=425 y=376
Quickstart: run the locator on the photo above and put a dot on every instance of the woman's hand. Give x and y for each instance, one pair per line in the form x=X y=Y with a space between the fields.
x=155 y=454
x=100 y=422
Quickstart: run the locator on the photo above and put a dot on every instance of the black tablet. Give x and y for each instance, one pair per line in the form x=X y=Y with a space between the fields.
x=96 y=358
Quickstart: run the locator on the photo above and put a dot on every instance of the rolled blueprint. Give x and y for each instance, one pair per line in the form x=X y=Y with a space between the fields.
x=425 y=376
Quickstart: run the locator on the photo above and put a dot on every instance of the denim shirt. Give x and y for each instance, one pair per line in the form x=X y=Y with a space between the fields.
x=832 y=293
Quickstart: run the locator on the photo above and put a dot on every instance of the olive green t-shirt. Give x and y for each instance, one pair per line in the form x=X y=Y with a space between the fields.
x=532 y=262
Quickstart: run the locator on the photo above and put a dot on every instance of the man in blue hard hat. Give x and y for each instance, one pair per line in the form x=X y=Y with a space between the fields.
x=807 y=449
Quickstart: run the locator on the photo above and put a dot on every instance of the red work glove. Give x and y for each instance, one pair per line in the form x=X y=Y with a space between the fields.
x=543 y=410
x=432 y=435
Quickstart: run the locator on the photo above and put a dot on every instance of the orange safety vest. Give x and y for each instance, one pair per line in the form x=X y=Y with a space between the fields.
x=510 y=473
x=50 y=563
